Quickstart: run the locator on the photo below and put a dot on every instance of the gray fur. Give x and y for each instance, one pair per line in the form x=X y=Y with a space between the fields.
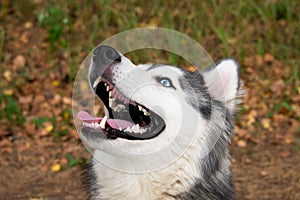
x=193 y=84
x=214 y=181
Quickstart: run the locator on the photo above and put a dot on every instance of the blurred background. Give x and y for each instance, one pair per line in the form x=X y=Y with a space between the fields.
x=42 y=44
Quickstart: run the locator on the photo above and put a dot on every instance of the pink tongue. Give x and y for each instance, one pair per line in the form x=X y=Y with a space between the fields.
x=114 y=123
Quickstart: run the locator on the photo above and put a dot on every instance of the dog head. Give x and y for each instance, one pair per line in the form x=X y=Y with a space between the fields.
x=150 y=106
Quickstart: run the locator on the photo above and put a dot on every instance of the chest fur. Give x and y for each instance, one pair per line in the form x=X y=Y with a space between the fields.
x=164 y=184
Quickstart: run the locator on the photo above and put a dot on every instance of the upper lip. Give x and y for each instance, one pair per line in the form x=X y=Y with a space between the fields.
x=145 y=124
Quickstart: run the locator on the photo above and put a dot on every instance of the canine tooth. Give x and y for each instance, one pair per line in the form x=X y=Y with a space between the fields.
x=107 y=88
x=103 y=122
x=97 y=81
x=145 y=112
x=140 y=107
x=112 y=102
x=105 y=84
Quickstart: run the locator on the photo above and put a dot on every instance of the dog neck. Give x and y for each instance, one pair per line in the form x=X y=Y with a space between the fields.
x=166 y=183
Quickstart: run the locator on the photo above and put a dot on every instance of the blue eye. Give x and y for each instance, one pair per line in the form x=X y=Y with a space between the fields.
x=166 y=82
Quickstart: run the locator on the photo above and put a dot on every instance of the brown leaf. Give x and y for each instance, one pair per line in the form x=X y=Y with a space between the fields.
x=28 y=25
x=285 y=154
x=268 y=58
x=24 y=38
x=277 y=86
x=67 y=100
x=7 y=75
x=25 y=99
x=19 y=61
x=264 y=173
x=241 y=143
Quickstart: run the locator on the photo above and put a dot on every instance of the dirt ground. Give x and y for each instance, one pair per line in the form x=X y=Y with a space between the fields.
x=41 y=156
x=265 y=172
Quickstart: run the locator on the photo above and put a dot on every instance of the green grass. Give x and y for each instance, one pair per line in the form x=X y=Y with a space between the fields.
x=72 y=161
x=240 y=28
x=55 y=20
x=11 y=111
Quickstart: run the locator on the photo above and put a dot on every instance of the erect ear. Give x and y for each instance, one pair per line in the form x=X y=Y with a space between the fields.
x=223 y=82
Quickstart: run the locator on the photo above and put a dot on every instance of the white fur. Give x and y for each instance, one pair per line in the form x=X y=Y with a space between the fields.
x=167 y=165
x=222 y=82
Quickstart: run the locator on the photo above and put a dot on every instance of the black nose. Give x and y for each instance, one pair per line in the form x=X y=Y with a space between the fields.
x=106 y=55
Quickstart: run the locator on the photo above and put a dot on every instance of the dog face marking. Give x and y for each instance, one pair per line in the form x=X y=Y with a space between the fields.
x=158 y=114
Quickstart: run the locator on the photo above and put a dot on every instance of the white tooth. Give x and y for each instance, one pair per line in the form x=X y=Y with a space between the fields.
x=109 y=102
x=105 y=84
x=140 y=107
x=96 y=82
x=107 y=88
x=110 y=94
x=120 y=128
x=112 y=102
x=103 y=122
x=128 y=129
x=146 y=113
x=119 y=107
x=134 y=128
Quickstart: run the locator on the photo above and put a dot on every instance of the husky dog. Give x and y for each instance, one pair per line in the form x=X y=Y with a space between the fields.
x=183 y=118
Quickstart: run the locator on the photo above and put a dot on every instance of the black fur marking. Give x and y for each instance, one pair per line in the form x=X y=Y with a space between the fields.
x=194 y=84
x=89 y=181
x=216 y=183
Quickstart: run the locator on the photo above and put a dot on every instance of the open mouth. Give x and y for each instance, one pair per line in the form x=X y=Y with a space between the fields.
x=127 y=119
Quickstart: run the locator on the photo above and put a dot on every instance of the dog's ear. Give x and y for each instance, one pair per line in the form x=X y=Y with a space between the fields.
x=223 y=82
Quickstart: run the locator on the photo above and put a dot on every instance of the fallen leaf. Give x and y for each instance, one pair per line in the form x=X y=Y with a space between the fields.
x=266 y=123
x=251 y=117
x=8 y=92
x=258 y=60
x=55 y=83
x=25 y=99
x=264 y=173
x=56 y=168
x=64 y=161
x=48 y=127
x=67 y=100
x=19 y=61
x=277 y=86
x=191 y=68
x=28 y=25
x=268 y=58
x=285 y=154
x=241 y=143
x=7 y=75
x=289 y=141
x=24 y=38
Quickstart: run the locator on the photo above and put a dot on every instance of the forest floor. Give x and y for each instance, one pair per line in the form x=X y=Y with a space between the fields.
x=41 y=155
